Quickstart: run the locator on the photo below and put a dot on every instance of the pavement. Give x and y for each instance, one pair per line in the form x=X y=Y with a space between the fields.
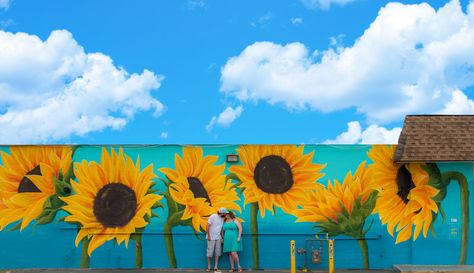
x=408 y=268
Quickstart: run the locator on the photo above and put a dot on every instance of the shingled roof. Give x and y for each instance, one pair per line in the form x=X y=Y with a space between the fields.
x=436 y=138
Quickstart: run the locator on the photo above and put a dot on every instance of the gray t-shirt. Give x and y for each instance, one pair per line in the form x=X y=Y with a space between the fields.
x=215 y=226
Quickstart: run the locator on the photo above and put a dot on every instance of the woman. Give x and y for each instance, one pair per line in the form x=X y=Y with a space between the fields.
x=232 y=230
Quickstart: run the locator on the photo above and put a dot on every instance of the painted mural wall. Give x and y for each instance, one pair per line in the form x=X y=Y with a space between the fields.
x=147 y=206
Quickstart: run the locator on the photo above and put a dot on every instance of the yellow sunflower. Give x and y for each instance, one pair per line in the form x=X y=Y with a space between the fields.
x=200 y=186
x=26 y=180
x=111 y=199
x=276 y=175
x=405 y=198
x=329 y=202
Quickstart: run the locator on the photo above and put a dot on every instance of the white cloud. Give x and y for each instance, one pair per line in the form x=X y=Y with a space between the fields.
x=459 y=104
x=412 y=59
x=225 y=118
x=324 y=4
x=351 y=136
x=4 y=4
x=371 y=135
x=51 y=90
x=337 y=41
x=296 y=20
x=262 y=21
x=164 y=135
x=193 y=4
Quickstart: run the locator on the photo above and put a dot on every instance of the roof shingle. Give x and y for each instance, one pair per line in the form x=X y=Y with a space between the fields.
x=436 y=138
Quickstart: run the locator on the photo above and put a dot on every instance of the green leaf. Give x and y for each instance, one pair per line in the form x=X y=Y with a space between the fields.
x=435 y=178
x=441 y=211
x=172 y=205
x=62 y=188
x=157 y=205
x=232 y=176
x=440 y=196
x=62 y=219
x=60 y=175
x=175 y=219
x=56 y=203
x=150 y=191
x=17 y=226
x=432 y=231
x=368 y=228
x=344 y=210
x=165 y=181
x=358 y=202
x=46 y=217
x=70 y=172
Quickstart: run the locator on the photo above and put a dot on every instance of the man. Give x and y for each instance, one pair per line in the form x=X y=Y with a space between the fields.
x=213 y=230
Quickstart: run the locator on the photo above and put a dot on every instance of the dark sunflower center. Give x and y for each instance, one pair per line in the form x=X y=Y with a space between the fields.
x=26 y=185
x=115 y=205
x=273 y=175
x=405 y=183
x=195 y=185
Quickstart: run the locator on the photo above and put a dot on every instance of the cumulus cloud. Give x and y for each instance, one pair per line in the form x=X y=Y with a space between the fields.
x=412 y=59
x=4 y=4
x=51 y=90
x=324 y=4
x=371 y=135
x=459 y=104
x=225 y=118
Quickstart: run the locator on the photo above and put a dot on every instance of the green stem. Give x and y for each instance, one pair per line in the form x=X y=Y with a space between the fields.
x=463 y=186
x=169 y=244
x=365 y=251
x=254 y=231
x=138 y=250
x=85 y=258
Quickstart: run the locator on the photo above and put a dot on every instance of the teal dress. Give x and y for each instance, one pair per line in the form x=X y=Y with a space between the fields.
x=231 y=233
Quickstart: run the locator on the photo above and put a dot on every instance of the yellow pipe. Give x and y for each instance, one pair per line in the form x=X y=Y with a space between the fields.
x=292 y=257
x=331 y=255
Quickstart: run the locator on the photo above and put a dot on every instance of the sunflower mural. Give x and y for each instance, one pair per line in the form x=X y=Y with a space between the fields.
x=196 y=189
x=342 y=208
x=274 y=176
x=410 y=196
x=111 y=201
x=33 y=178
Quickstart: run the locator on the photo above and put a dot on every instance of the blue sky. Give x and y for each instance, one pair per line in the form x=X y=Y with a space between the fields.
x=203 y=71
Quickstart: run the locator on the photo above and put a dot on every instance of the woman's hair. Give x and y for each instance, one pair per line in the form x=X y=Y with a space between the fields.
x=231 y=214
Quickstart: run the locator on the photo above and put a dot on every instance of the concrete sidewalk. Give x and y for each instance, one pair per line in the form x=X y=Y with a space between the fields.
x=408 y=268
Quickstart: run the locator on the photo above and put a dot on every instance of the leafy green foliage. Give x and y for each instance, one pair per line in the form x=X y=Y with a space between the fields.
x=350 y=224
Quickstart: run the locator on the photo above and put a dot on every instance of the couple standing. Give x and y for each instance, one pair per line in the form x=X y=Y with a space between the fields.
x=223 y=225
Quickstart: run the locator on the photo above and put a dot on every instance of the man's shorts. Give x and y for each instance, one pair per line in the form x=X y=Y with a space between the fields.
x=214 y=247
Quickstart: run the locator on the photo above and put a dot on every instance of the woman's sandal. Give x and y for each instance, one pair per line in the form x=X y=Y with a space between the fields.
x=208 y=269
x=231 y=270
x=240 y=269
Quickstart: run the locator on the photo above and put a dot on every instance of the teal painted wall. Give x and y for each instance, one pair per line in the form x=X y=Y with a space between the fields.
x=48 y=241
